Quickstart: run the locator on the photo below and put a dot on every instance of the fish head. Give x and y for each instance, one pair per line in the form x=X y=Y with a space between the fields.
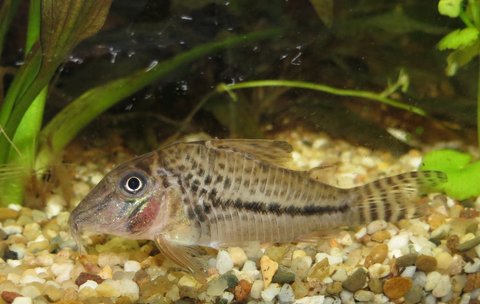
x=126 y=202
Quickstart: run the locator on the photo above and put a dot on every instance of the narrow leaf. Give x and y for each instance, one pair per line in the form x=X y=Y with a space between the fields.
x=458 y=39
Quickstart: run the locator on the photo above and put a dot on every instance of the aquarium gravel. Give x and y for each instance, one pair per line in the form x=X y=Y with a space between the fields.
x=432 y=259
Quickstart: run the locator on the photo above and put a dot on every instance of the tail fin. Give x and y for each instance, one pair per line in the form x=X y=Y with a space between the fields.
x=394 y=198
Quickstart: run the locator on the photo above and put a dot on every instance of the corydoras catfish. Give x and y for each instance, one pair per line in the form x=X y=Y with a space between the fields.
x=219 y=193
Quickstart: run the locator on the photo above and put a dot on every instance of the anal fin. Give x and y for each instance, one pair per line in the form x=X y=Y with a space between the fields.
x=187 y=257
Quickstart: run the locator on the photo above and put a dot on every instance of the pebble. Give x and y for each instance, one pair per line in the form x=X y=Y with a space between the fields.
x=320 y=270
x=311 y=300
x=300 y=289
x=375 y=285
x=467 y=245
x=381 y=236
x=426 y=263
x=378 y=270
x=444 y=260
x=376 y=225
x=217 y=287
x=132 y=266
x=472 y=267
x=256 y=290
x=332 y=259
x=90 y=284
x=269 y=293
x=62 y=271
x=224 y=262
x=443 y=287
x=399 y=241
x=268 y=269
x=9 y=296
x=283 y=275
x=301 y=266
x=117 y=288
x=286 y=294
x=238 y=256
x=377 y=255
x=356 y=280
x=406 y=260
x=7 y=213
x=409 y=271
x=340 y=275
x=397 y=287
x=242 y=290
x=22 y=300
x=84 y=277
x=432 y=280
x=414 y=295
x=363 y=295
x=334 y=288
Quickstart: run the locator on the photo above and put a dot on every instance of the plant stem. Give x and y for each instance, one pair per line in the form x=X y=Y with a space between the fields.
x=7 y=12
x=322 y=88
x=478 y=107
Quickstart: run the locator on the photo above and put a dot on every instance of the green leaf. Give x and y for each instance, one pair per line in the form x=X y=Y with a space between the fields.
x=324 y=10
x=7 y=12
x=450 y=8
x=463 y=176
x=458 y=39
x=461 y=57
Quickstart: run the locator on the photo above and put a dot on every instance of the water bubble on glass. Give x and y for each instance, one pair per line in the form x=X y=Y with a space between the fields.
x=187 y=18
x=114 y=52
x=152 y=65
x=296 y=60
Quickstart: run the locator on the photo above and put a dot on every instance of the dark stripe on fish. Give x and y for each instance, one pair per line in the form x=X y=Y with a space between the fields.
x=278 y=209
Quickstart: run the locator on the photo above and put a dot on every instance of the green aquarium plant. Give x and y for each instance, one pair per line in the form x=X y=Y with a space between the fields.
x=463 y=174
x=464 y=43
x=55 y=28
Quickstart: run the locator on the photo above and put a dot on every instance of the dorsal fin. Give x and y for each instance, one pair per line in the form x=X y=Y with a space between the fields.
x=271 y=151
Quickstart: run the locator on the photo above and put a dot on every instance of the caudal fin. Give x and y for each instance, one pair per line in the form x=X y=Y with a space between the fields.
x=394 y=198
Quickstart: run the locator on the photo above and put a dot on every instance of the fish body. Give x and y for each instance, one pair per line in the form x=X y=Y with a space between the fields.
x=220 y=193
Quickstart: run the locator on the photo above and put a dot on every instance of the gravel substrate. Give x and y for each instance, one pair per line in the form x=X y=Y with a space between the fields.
x=435 y=259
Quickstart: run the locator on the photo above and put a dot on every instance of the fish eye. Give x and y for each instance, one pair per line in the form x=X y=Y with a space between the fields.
x=133 y=183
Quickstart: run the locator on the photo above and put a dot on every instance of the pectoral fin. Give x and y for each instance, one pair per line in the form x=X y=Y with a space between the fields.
x=185 y=256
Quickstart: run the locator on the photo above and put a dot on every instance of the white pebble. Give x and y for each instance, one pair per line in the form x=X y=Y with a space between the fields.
x=376 y=226
x=62 y=271
x=364 y=295
x=270 y=292
x=378 y=271
x=27 y=279
x=30 y=291
x=340 y=275
x=22 y=300
x=54 y=206
x=89 y=283
x=228 y=296
x=224 y=262
x=332 y=260
x=132 y=266
x=346 y=296
x=127 y=288
x=110 y=259
x=430 y=299
x=256 y=291
x=361 y=233
x=12 y=229
x=432 y=280
x=398 y=241
x=443 y=287
x=420 y=278
x=311 y=300
x=472 y=267
x=238 y=256
x=14 y=263
x=409 y=271
x=286 y=294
